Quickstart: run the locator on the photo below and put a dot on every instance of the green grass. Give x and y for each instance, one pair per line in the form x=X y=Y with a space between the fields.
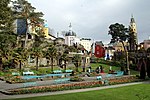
x=121 y=93
x=106 y=67
x=115 y=68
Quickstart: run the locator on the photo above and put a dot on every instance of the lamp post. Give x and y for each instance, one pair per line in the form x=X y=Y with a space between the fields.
x=128 y=69
x=127 y=53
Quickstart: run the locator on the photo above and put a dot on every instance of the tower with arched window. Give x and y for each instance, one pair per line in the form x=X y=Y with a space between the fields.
x=133 y=34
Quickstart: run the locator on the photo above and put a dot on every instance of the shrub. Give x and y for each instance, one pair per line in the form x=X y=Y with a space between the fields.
x=111 y=63
x=1 y=73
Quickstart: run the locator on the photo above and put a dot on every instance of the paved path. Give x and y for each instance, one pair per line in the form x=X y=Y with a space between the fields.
x=5 y=86
x=2 y=96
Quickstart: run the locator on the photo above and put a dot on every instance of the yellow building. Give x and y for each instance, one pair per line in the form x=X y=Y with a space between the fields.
x=46 y=31
x=119 y=46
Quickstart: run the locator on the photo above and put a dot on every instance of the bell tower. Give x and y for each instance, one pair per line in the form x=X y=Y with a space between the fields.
x=133 y=34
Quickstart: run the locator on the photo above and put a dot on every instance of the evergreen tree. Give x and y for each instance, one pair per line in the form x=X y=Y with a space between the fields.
x=7 y=36
x=24 y=10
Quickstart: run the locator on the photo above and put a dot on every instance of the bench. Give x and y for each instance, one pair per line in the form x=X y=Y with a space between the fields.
x=68 y=71
x=63 y=80
x=28 y=73
x=109 y=75
x=29 y=77
x=29 y=84
x=119 y=73
x=15 y=73
x=57 y=71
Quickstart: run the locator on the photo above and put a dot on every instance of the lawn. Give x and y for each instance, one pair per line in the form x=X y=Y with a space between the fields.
x=115 y=68
x=134 y=92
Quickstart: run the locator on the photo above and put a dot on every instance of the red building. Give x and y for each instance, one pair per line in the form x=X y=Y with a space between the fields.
x=99 y=50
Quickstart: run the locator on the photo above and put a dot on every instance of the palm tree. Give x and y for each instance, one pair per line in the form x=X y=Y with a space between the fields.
x=37 y=53
x=77 y=61
x=64 y=58
x=50 y=54
x=20 y=55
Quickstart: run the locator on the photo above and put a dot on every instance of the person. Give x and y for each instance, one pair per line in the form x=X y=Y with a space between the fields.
x=110 y=68
x=102 y=71
x=89 y=70
x=97 y=70
x=72 y=73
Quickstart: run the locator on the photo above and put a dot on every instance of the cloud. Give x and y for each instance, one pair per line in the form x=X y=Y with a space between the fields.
x=91 y=18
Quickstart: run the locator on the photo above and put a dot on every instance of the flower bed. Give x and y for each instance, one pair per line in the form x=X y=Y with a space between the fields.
x=14 y=79
x=121 y=80
x=71 y=86
x=53 y=88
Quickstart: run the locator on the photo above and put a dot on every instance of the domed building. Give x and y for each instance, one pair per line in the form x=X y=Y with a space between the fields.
x=70 y=33
x=70 y=37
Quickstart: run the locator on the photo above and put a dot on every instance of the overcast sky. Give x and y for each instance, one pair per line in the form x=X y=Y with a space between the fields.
x=91 y=18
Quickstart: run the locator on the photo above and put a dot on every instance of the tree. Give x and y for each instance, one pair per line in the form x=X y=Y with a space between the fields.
x=50 y=54
x=37 y=53
x=6 y=19
x=24 y=10
x=7 y=36
x=64 y=58
x=20 y=55
x=72 y=49
x=77 y=61
x=38 y=46
x=120 y=34
x=148 y=63
x=132 y=41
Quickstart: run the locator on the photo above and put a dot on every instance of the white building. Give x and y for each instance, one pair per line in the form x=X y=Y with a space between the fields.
x=70 y=37
x=86 y=43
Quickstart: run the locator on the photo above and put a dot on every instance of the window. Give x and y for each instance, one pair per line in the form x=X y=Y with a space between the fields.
x=29 y=36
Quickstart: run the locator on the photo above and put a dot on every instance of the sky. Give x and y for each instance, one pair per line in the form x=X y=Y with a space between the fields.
x=92 y=18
